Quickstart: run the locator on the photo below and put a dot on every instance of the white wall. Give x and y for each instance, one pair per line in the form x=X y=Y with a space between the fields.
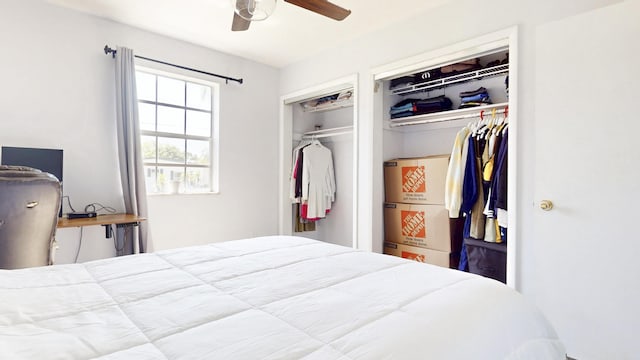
x=458 y=21
x=58 y=92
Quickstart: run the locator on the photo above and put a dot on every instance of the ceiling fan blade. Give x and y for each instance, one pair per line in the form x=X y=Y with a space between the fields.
x=239 y=23
x=322 y=7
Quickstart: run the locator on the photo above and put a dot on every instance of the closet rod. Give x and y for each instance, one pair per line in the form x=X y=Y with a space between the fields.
x=108 y=50
x=450 y=118
x=306 y=137
x=328 y=130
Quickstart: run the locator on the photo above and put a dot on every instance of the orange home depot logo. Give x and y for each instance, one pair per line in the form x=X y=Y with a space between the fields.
x=413 y=256
x=413 y=179
x=413 y=224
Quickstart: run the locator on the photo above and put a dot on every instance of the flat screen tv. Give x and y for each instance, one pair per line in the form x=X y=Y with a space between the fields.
x=47 y=160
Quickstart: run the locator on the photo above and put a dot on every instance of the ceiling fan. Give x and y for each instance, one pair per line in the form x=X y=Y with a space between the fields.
x=246 y=11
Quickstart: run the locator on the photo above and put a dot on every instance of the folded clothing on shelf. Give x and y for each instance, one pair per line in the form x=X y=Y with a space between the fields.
x=399 y=109
x=327 y=101
x=327 y=98
x=498 y=62
x=473 y=104
x=461 y=67
x=411 y=107
x=435 y=74
x=478 y=91
x=434 y=104
x=319 y=101
x=477 y=97
x=401 y=82
x=403 y=108
x=345 y=95
x=428 y=75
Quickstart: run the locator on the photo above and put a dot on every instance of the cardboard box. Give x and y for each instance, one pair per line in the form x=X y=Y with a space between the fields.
x=428 y=256
x=417 y=180
x=425 y=226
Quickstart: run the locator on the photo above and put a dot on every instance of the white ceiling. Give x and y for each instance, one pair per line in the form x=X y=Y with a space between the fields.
x=289 y=35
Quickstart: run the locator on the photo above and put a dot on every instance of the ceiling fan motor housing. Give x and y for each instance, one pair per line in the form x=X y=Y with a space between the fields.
x=254 y=10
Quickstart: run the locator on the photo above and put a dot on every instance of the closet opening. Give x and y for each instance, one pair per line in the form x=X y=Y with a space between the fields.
x=456 y=103
x=319 y=163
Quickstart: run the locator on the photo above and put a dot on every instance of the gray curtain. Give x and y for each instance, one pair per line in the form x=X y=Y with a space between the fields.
x=136 y=239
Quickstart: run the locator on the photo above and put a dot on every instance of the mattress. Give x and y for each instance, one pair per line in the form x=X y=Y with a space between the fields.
x=276 y=297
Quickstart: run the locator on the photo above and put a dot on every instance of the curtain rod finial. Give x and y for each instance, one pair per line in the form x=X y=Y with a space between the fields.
x=108 y=50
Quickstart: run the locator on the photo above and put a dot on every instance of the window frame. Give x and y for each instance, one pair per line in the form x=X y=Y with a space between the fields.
x=213 y=138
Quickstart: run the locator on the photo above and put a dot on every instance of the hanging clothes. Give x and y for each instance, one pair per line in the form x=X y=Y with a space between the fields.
x=501 y=185
x=490 y=175
x=312 y=183
x=295 y=181
x=476 y=183
x=318 y=180
x=470 y=191
x=295 y=189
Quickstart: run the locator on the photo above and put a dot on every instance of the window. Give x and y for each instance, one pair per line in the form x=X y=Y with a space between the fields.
x=178 y=132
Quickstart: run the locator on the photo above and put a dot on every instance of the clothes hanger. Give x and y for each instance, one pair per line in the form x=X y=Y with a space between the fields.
x=496 y=121
x=303 y=143
x=505 y=121
x=490 y=125
x=493 y=117
x=315 y=141
x=485 y=125
x=478 y=124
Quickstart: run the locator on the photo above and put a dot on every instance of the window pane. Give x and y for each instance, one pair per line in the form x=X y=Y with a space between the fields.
x=148 y=148
x=198 y=96
x=170 y=150
x=170 y=179
x=198 y=123
x=170 y=120
x=146 y=86
x=147 y=116
x=150 y=179
x=170 y=91
x=170 y=112
x=198 y=180
x=198 y=152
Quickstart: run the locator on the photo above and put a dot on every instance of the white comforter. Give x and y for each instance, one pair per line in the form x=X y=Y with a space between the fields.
x=265 y=298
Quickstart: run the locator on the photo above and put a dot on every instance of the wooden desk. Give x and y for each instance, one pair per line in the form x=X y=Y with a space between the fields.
x=119 y=220
x=108 y=219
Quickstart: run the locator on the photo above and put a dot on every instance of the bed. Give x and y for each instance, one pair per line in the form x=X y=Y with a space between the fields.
x=275 y=297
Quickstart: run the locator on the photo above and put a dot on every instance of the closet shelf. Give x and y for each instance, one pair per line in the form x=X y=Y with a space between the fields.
x=450 y=115
x=458 y=78
x=329 y=105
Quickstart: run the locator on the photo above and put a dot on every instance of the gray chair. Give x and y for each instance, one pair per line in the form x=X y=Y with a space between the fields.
x=29 y=203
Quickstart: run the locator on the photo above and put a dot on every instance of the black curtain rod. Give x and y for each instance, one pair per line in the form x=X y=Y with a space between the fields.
x=108 y=50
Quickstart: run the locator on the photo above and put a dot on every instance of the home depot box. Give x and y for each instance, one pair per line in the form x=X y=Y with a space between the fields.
x=429 y=256
x=425 y=226
x=417 y=180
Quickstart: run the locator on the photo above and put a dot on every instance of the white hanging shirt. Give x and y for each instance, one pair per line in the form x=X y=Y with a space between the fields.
x=318 y=180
